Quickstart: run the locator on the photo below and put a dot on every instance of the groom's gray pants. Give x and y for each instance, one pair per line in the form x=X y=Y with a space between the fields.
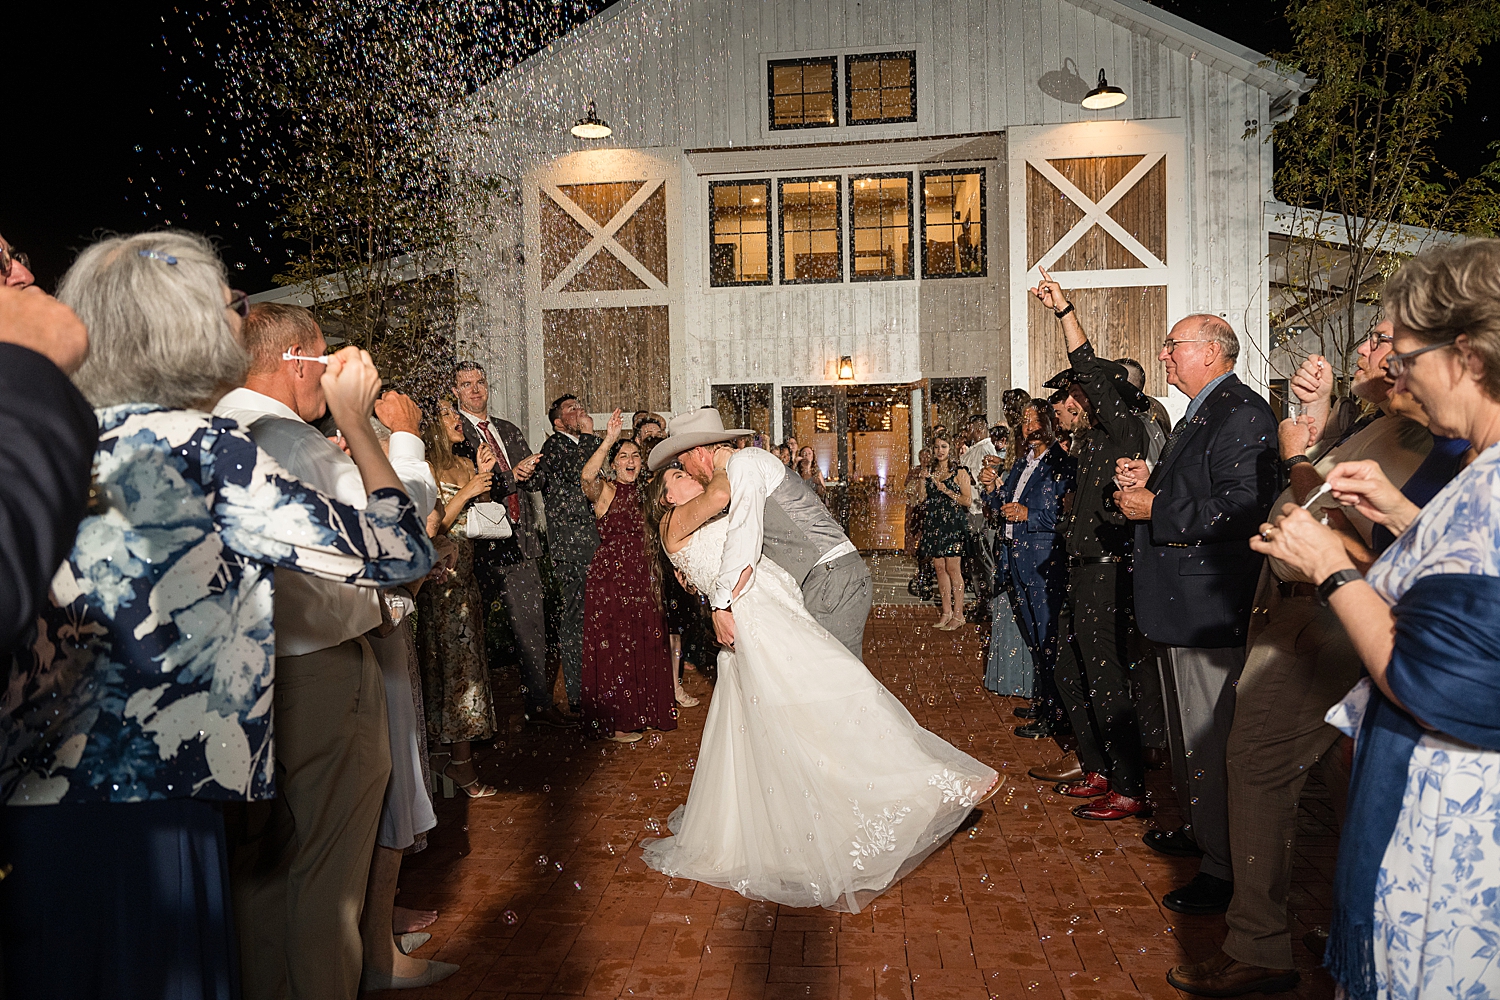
x=837 y=594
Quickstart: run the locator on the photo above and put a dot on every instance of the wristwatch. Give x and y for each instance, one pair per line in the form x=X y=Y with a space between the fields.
x=1334 y=582
x=1060 y=313
x=1287 y=463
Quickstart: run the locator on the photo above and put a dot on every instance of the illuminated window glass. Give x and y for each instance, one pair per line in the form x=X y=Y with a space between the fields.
x=740 y=234
x=802 y=92
x=881 y=88
x=953 y=224
x=879 y=227
x=811 y=236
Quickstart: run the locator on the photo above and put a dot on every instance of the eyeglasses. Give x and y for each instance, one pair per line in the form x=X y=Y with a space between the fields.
x=240 y=302
x=1169 y=345
x=1398 y=364
x=1374 y=340
x=9 y=257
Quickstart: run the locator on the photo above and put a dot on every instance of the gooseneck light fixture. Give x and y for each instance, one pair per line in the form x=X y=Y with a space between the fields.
x=591 y=126
x=1103 y=96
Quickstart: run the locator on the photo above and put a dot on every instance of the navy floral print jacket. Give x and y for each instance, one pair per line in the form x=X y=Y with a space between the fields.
x=152 y=672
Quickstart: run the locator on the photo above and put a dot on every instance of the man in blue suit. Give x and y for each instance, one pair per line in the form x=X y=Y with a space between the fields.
x=1030 y=555
x=1195 y=577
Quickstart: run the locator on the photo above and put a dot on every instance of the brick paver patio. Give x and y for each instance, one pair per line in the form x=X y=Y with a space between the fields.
x=543 y=893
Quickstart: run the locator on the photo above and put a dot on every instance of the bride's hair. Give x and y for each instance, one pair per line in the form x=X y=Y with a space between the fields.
x=656 y=507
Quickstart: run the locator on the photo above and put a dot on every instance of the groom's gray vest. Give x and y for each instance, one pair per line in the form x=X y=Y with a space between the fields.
x=798 y=528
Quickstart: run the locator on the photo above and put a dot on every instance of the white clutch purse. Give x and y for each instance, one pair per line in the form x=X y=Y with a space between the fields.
x=487 y=521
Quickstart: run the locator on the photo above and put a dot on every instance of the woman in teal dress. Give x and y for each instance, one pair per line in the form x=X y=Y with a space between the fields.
x=946 y=495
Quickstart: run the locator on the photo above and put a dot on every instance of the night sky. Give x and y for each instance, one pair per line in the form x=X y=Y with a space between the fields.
x=94 y=114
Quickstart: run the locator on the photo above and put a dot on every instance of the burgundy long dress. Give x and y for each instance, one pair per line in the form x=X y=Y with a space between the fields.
x=627 y=667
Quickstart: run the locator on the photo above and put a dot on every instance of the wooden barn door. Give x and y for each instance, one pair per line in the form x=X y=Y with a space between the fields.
x=1103 y=209
x=601 y=313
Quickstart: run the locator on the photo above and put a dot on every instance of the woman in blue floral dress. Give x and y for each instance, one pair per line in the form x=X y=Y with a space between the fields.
x=145 y=702
x=1417 y=889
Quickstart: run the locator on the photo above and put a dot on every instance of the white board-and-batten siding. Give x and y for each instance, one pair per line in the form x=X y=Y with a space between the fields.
x=676 y=75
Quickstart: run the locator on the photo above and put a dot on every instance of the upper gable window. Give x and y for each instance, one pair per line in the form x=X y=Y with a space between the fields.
x=802 y=92
x=881 y=88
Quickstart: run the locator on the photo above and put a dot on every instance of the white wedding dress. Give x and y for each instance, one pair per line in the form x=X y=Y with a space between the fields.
x=814 y=786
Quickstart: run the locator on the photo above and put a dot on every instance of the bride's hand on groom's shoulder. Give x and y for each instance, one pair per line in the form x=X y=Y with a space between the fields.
x=721 y=458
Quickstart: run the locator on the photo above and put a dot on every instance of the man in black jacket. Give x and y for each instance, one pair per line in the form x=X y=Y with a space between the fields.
x=1195 y=579
x=508 y=569
x=572 y=535
x=50 y=435
x=1092 y=675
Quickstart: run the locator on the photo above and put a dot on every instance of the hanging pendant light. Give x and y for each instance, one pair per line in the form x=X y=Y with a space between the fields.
x=591 y=126
x=1103 y=96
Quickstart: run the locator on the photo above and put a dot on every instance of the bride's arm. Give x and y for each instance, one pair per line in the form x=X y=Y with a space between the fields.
x=695 y=513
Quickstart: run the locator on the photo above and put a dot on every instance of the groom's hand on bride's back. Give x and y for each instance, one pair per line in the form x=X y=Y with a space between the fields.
x=724 y=626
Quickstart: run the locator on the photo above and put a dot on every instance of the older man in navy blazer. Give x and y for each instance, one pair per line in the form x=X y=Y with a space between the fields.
x=1195 y=579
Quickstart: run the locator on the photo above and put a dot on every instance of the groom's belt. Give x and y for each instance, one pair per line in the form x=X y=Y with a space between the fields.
x=844 y=548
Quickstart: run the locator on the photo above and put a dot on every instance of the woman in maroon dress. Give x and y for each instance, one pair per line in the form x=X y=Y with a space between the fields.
x=627 y=670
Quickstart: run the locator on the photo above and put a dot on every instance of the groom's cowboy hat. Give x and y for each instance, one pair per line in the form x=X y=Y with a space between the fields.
x=687 y=431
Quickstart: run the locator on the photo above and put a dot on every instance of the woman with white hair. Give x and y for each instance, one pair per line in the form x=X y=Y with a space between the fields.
x=145 y=703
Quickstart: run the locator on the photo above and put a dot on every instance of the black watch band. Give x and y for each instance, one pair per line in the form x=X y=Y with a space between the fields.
x=1060 y=313
x=1334 y=582
x=1287 y=463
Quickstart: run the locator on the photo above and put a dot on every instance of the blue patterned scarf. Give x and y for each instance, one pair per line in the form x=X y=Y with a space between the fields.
x=1445 y=669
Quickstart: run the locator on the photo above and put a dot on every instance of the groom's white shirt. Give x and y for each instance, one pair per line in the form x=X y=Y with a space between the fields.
x=753 y=474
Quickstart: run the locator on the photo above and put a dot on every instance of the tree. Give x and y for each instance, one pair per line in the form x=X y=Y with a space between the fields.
x=1357 y=159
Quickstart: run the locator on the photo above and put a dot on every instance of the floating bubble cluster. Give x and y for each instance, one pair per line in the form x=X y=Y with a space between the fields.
x=341 y=141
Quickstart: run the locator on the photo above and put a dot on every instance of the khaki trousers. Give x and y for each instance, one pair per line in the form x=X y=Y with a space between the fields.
x=1300 y=664
x=302 y=861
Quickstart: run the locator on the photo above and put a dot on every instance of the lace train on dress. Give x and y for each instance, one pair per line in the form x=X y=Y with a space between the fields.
x=814 y=785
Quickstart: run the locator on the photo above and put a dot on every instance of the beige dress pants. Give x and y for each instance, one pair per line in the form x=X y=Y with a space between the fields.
x=300 y=868
x=1298 y=666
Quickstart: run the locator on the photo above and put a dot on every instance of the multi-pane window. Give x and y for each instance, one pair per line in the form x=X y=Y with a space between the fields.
x=953 y=224
x=811 y=236
x=881 y=88
x=740 y=251
x=803 y=92
x=880 y=227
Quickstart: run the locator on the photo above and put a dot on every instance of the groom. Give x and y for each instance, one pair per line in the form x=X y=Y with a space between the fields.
x=772 y=512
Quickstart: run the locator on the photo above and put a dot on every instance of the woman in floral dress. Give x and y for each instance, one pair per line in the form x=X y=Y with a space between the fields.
x=144 y=704
x=450 y=611
x=1417 y=888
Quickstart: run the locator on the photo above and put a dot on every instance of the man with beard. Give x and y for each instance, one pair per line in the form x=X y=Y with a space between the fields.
x=1091 y=673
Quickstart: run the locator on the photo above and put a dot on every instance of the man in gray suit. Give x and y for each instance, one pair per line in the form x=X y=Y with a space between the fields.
x=772 y=512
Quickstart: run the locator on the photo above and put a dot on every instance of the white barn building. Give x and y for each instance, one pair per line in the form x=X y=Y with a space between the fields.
x=823 y=215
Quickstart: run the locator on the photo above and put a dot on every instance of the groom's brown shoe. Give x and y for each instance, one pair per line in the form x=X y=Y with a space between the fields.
x=1064 y=768
x=1222 y=976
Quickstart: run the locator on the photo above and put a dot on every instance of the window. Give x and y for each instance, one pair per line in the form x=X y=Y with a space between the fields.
x=740 y=241
x=881 y=88
x=953 y=224
x=879 y=227
x=811 y=244
x=802 y=92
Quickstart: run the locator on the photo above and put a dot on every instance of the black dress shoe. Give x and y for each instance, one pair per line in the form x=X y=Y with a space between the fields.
x=1024 y=712
x=1039 y=730
x=1176 y=843
x=1205 y=894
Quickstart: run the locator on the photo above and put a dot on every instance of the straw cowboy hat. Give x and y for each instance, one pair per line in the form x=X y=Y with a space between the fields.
x=687 y=431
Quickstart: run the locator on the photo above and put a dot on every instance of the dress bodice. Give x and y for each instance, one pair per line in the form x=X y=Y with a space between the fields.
x=699 y=559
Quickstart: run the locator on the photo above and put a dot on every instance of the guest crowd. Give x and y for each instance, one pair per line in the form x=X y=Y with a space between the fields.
x=251 y=598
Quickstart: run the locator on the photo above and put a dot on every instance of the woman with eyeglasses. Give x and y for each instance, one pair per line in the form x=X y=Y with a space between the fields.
x=1417 y=888
x=15 y=267
x=145 y=704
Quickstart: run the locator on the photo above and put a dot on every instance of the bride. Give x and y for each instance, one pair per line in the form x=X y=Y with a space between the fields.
x=814 y=785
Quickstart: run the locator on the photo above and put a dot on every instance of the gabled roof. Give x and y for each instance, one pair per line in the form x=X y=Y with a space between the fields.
x=1212 y=49
x=1259 y=70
